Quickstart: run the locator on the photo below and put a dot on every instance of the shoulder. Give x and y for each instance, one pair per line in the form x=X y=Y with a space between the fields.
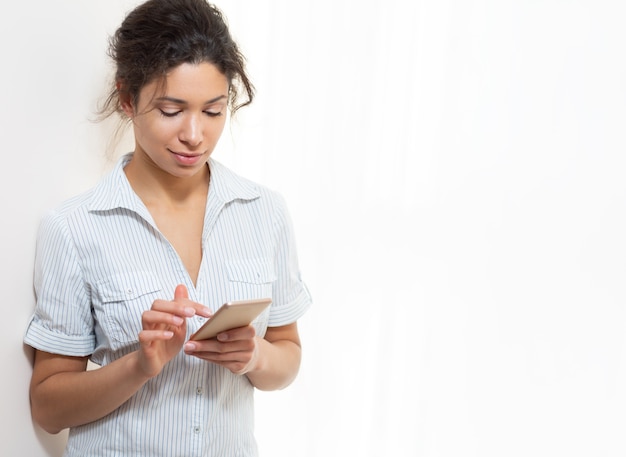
x=56 y=231
x=68 y=208
x=232 y=185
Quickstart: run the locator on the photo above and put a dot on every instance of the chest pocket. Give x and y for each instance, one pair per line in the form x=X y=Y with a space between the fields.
x=249 y=279
x=122 y=299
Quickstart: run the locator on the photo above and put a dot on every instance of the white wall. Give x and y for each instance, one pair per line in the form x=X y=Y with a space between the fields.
x=455 y=171
x=52 y=74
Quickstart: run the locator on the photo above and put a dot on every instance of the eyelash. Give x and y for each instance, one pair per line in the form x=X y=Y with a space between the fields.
x=208 y=113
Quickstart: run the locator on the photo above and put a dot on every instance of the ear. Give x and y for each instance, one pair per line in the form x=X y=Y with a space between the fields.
x=125 y=100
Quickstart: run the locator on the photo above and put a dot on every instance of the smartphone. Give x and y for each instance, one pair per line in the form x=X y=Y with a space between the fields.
x=231 y=315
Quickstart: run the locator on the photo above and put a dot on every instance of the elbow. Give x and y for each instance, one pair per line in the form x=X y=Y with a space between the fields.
x=45 y=424
x=52 y=430
x=42 y=418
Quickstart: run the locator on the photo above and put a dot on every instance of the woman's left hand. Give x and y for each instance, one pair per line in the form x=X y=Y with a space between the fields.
x=236 y=349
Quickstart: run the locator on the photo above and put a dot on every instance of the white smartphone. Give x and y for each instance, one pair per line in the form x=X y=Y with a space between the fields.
x=231 y=315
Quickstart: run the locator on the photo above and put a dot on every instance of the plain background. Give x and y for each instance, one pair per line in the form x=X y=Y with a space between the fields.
x=455 y=173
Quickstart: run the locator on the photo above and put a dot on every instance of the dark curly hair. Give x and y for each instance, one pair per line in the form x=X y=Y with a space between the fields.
x=160 y=35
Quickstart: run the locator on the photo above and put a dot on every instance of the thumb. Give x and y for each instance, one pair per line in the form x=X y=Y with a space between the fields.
x=181 y=292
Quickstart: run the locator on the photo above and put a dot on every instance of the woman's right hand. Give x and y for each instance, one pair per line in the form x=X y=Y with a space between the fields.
x=165 y=330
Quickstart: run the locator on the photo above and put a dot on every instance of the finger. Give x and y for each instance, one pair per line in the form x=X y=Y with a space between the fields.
x=237 y=334
x=203 y=311
x=236 y=362
x=153 y=317
x=149 y=336
x=214 y=347
x=214 y=357
x=181 y=295
x=180 y=309
x=181 y=292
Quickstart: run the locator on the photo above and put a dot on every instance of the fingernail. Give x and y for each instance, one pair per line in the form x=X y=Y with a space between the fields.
x=189 y=311
x=190 y=347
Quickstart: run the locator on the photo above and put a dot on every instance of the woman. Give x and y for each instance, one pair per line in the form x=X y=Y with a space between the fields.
x=126 y=272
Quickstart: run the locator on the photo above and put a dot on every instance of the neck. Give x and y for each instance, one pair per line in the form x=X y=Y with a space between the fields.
x=155 y=186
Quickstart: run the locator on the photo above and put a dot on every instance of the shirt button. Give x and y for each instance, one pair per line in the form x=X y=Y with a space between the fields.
x=129 y=292
x=199 y=391
x=196 y=429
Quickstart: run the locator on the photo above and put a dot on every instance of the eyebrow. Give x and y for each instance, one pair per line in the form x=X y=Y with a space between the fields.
x=179 y=101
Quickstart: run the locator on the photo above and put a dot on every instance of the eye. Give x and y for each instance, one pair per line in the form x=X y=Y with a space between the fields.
x=213 y=113
x=169 y=113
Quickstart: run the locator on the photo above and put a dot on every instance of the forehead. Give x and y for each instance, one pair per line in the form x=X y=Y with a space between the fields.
x=189 y=82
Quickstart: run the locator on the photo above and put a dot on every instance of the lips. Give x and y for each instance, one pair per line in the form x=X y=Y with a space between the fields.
x=187 y=158
x=182 y=154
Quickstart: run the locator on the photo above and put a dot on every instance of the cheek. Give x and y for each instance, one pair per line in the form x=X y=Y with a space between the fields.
x=217 y=128
x=155 y=131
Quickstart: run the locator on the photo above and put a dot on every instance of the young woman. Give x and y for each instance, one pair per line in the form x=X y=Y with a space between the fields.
x=126 y=272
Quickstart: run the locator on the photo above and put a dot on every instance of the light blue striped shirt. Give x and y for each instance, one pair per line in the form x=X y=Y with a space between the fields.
x=101 y=261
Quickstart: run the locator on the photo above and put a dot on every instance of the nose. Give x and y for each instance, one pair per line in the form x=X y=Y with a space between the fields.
x=191 y=130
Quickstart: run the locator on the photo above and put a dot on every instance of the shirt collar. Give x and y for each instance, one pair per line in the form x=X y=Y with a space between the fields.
x=227 y=186
x=114 y=191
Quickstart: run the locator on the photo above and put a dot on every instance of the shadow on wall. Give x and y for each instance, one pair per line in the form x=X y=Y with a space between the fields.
x=53 y=445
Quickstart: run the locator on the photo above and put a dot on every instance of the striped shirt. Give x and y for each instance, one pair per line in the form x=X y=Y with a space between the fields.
x=101 y=261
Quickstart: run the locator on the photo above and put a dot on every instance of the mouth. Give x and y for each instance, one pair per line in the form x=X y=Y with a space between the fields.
x=186 y=154
x=187 y=158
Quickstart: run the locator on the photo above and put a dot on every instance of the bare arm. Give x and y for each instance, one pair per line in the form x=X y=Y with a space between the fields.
x=279 y=357
x=64 y=395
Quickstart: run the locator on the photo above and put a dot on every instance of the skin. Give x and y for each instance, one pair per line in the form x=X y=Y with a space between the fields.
x=175 y=131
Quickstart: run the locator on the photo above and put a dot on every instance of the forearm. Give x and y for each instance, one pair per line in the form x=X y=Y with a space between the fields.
x=277 y=365
x=68 y=399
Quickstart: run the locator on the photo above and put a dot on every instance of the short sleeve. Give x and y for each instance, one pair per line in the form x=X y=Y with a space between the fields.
x=291 y=298
x=62 y=322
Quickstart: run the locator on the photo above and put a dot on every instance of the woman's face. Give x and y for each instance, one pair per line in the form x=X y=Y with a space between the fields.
x=176 y=129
